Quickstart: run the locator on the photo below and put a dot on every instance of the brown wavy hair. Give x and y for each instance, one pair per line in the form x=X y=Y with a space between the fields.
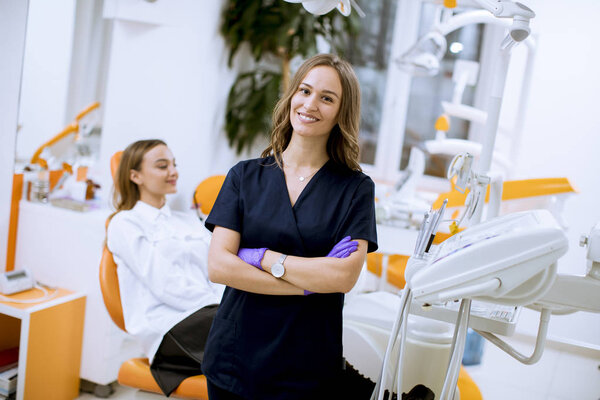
x=126 y=192
x=342 y=145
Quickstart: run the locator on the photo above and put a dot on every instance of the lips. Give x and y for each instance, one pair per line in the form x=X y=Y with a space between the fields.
x=173 y=182
x=306 y=118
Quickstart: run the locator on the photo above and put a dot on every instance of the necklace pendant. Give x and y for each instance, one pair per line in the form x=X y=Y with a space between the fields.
x=301 y=178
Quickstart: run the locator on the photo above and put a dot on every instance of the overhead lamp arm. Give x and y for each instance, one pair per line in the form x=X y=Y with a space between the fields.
x=506 y=8
x=520 y=13
x=73 y=127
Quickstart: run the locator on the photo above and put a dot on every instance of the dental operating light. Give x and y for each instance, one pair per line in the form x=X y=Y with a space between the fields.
x=321 y=7
x=424 y=57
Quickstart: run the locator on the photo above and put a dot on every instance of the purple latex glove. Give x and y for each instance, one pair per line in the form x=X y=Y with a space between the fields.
x=252 y=256
x=342 y=249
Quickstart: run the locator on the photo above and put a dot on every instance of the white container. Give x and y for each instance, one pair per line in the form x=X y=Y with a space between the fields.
x=426 y=354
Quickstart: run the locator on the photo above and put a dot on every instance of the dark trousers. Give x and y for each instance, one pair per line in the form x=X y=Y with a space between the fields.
x=352 y=386
x=181 y=351
x=216 y=393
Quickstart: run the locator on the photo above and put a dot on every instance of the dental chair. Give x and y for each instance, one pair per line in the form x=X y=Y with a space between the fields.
x=135 y=372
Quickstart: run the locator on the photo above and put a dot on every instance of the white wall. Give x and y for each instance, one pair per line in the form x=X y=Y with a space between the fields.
x=45 y=73
x=561 y=130
x=13 y=21
x=561 y=135
x=165 y=81
x=171 y=81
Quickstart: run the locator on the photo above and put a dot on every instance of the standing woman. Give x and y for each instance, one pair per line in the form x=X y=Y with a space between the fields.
x=278 y=331
x=168 y=301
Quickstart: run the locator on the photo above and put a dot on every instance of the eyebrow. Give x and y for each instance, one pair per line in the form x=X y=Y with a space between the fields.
x=162 y=160
x=324 y=90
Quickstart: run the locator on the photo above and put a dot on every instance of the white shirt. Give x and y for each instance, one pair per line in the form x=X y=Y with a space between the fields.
x=161 y=257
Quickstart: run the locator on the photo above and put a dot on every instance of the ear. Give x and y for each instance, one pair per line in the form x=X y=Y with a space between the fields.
x=134 y=176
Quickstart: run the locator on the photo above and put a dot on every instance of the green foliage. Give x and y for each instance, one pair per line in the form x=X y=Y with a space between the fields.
x=273 y=29
x=249 y=105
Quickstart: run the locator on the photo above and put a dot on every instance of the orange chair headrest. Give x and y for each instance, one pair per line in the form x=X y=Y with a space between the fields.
x=114 y=163
x=207 y=191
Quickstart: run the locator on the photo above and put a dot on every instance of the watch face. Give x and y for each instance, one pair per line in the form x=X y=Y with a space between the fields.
x=277 y=270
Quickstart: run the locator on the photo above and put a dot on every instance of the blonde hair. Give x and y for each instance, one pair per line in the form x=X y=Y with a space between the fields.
x=342 y=145
x=126 y=192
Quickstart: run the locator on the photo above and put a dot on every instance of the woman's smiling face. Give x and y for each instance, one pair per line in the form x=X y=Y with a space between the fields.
x=158 y=173
x=315 y=105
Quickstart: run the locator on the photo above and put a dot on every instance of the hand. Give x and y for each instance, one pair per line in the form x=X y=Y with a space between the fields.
x=343 y=248
x=252 y=256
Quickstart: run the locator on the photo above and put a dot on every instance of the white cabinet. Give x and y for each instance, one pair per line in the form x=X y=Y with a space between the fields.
x=63 y=248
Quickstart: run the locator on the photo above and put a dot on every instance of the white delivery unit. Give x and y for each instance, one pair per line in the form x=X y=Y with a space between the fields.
x=507 y=260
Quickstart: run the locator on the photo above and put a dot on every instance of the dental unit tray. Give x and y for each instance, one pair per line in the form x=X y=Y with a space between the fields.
x=378 y=309
x=486 y=317
x=508 y=260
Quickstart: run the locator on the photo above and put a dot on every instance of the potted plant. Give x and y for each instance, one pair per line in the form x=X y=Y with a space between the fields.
x=276 y=32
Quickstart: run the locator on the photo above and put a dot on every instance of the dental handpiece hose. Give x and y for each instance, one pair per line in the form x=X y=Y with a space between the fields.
x=436 y=223
x=427 y=224
x=421 y=235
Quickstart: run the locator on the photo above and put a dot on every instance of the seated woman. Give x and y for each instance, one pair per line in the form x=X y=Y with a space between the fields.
x=168 y=301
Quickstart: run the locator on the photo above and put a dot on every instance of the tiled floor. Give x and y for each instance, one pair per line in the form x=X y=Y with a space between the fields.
x=559 y=375
x=123 y=393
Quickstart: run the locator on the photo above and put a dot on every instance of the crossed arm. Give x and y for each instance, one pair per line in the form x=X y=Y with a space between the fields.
x=318 y=274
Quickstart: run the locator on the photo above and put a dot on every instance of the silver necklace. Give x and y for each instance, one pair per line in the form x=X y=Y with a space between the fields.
x=305 y=177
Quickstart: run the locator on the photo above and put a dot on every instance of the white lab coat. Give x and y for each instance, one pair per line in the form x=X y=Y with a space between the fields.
x=162 y=268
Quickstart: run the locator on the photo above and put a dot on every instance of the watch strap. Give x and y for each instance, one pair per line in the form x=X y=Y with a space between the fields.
x=282 y=259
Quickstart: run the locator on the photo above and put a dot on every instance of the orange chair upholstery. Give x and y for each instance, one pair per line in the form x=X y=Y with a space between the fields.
x=206 y=193
x=396 y=267
x=114 y=163
x=109 y=286
x=136 y=371
x=512 y=190
x=467 y=387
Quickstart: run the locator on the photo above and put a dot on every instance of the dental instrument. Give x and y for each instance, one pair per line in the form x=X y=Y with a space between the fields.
x=460 y=167
x=436 y=224
x=421 y=236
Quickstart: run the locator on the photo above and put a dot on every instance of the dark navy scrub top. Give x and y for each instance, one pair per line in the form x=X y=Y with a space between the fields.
x=285 y=347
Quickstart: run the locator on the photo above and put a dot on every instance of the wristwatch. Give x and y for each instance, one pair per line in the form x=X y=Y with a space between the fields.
x=277 y=269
